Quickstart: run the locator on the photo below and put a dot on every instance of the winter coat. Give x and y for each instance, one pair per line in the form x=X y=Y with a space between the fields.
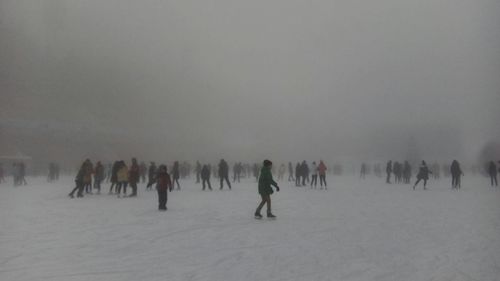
x=99 y=172
x=223 y=169
x=87 y=177
x=266 y=181
x=134 y=173
x=423 y=173
x=163 y=182
x=322 y=169
x=205 y=172
x=122 y=174
x=492 y=170
x=455 y=169
x=314 y=169
x=79 y=177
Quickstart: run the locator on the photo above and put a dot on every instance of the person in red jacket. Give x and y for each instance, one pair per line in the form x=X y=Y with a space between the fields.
x=322 y=173
x=163 y=184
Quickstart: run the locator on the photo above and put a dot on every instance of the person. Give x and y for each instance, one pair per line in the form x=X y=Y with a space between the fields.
x=163 y=184
x=492 y=171
x=388 y=170
x=98 y=176
x=152 y=170
x=2 y=179
x=22 y=173
x=397 y=171
x=134 y=175
x=176 y=174
x=281 y=172
x=265 y=189
x=304 y=172
x=456 y=173
x=362 y=172
x=122 y=178
x=322 y=174
x=406 y=172
x=144 y=170
x=423 y=174
x=205 y=176
x=298 y=174
x=113 y=177
x=224 y=174
x=290 y=172
x=314 y=175
x=79 y=182
x=87 y=177
x=198 y=171
x=255 y=171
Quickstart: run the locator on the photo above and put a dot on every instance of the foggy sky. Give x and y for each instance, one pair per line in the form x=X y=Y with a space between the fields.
x=282 y=79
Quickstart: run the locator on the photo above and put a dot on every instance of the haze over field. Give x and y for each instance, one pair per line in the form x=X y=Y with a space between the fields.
x=253 y=79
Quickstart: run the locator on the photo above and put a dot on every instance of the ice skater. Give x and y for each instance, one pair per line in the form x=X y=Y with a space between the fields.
x=122 y=178
x=265 y=189
x=388 y=170
x=492 y=171
x=98 y=176
x=322 y=174
x=456 y=173
x=423 y=174
x=176 y=174
x=152 y=171
x=314 y=175
x=205 y=176
x=224 y=174
x=78 y=183
x=290 y=172
x=134 y=175
x=163 y=185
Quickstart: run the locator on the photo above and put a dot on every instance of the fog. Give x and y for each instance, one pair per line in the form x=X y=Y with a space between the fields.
x=247 y=80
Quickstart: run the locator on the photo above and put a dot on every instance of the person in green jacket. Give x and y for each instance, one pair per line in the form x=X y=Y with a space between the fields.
x=265 y=190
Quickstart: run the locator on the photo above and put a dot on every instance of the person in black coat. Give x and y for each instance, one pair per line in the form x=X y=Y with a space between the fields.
x=456 y=173
x=79 y=183
x=388 y=170
x=423 y=174
x=492 y=171
x=298 y=174
x=152 y=173
x=205 y=176
x=176 y=175
x=224 y=174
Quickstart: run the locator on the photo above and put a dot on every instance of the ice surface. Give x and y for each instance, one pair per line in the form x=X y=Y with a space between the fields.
x=357 y=230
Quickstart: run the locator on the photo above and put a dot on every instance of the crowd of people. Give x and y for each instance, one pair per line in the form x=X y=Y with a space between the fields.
x=121 y=176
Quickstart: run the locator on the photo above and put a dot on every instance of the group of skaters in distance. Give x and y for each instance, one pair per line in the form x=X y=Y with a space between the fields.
x=303 y=171
x=403 y=172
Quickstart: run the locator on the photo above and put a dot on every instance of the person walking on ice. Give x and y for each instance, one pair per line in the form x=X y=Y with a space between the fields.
x=164 y=184
x=423 y=174
x=265 y=189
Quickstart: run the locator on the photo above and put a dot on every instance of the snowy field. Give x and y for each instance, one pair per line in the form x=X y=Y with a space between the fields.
x=357 y=230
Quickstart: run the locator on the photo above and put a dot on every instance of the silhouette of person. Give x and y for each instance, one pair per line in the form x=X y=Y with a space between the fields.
x=224 y=174
x=423 y=174
x=456 y=173
x=492 y=171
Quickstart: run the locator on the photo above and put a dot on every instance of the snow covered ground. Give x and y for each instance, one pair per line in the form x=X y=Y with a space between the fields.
x=357 y=230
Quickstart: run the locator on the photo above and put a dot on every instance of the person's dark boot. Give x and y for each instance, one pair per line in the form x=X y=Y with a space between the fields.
x=257 y=215
x=270 y=215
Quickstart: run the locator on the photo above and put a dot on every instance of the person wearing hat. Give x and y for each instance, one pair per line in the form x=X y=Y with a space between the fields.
x=265 y=189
